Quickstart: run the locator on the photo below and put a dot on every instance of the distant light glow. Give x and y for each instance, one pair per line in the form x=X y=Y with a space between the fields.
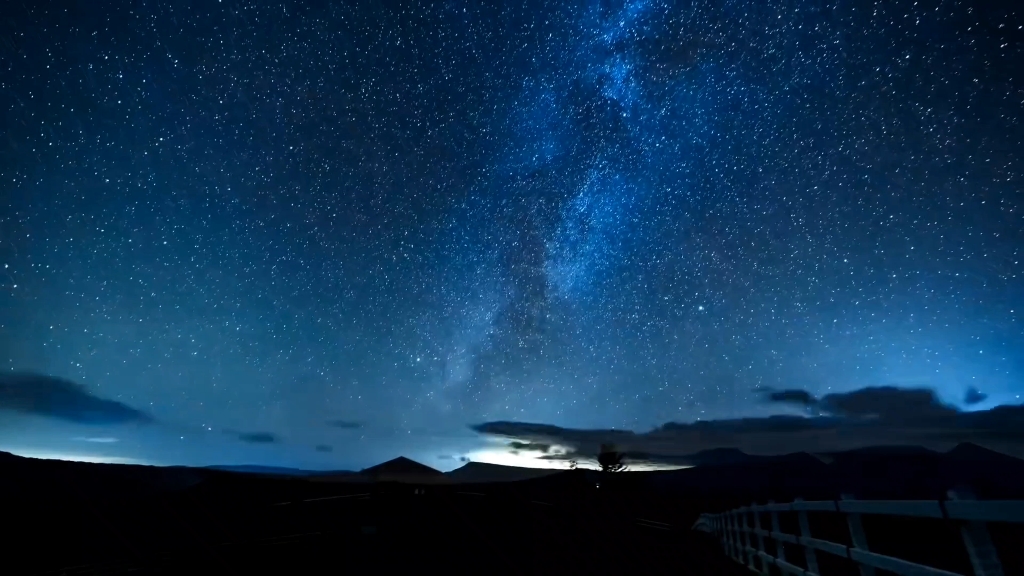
x=526 y=459
x=503 y=457
x=71 y=457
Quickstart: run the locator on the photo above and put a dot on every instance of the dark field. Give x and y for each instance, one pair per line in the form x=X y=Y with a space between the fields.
x=74 y=518
x=387 y=527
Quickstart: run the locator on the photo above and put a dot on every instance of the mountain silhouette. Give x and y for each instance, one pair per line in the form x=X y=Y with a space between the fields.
x=480 y=472
x=403 y=469
x=274 y=470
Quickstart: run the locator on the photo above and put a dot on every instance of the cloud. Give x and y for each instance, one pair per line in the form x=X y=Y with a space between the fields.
x=877 y=416
x=345 y=424
x=255 y=437
x=888 y=403
x=529 y=446
x=800 y=398
x=879 y=402
x=974 y=396
x=99 y=440
x=61 y=399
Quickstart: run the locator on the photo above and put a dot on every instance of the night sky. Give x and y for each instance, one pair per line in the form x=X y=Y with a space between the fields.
x=369 y=225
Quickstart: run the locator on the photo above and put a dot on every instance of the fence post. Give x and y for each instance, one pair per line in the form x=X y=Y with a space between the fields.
x=747 y=548
x=805 y=530
x=780 y=548
x=727 y=525
x=760 y=542
x=860 y=540
x=720 y=531
x=736 y=537
x=978 y=541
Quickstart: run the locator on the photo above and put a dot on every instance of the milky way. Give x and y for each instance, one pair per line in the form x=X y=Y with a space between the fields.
x=267 y=216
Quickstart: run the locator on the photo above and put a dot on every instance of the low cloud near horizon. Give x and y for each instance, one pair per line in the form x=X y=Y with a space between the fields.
x=61 y=399
x=875 y=416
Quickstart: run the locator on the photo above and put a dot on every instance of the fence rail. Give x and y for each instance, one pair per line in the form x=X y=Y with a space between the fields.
x=744 y=538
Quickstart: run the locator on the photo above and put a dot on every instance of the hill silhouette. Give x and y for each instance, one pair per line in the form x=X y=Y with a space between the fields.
x=33 y=477
x=714 y=457
x=886 y=472
x=277 y=470
x=480 y=472
x=403 y=469
x=882 y=472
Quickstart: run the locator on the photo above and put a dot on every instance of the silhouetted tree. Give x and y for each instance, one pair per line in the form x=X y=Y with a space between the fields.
x=610 y=459
x=572 y=464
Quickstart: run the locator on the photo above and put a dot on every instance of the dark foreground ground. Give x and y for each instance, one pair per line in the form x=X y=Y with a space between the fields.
x=383 y=528
x=74 y=518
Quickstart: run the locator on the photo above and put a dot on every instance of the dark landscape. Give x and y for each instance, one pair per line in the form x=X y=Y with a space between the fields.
x=79 y=518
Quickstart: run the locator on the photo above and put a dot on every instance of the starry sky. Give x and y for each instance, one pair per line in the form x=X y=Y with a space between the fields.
x=365 y=226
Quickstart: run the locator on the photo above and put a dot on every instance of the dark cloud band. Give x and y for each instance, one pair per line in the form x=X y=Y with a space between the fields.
x=877 y=416
x=62 y=399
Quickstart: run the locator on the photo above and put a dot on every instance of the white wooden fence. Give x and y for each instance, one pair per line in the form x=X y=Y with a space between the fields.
x=744 y=537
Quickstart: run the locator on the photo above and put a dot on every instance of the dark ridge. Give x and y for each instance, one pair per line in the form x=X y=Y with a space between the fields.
x=401 y=466
x=271 y=470
x=479 y=472
x=32 y=477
